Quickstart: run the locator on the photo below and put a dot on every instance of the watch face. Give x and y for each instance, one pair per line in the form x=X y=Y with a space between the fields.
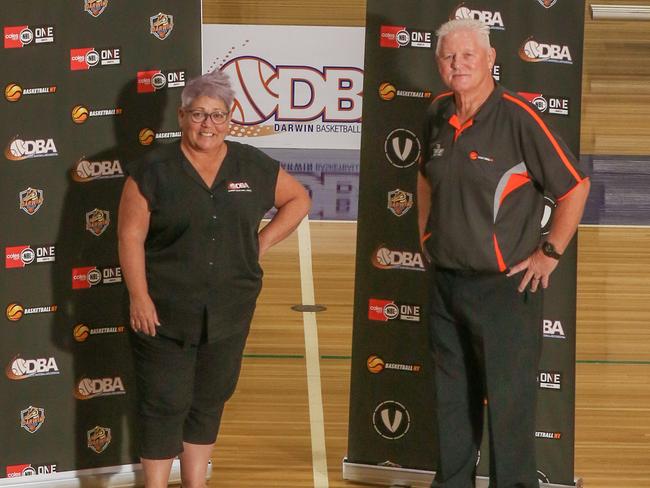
x=549 y=250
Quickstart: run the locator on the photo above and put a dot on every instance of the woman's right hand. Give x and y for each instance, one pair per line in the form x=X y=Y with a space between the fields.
x=144 y=317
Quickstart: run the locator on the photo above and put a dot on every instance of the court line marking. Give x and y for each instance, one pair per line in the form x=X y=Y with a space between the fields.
x=314 y=392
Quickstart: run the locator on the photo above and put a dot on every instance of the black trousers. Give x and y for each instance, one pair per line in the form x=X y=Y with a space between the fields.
x=181 y=390
x=485 y=339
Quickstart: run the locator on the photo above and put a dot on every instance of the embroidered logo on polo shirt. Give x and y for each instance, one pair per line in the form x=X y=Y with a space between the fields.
x=438 y=150
x=239 y=187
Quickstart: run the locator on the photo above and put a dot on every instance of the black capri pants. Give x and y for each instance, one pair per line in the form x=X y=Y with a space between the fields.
x=181 y=390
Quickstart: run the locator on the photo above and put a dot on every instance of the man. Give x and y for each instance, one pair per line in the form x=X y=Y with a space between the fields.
x=488 y=161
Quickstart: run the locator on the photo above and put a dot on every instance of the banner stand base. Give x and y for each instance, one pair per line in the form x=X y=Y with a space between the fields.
x=123 y=476
x=411 y=478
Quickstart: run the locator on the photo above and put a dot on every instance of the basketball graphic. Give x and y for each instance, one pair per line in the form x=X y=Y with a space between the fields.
x=375 y=364
x=252 y=79
x=15 y=312
x=81 y=332
x=146 y=136
x=530 y=51
x=463 y=13
x=16 y=150
x=84 y=389
x=382 y=258
x=13 y=92
x=387 y=91
x=79 y=114
x=18 y=368
x=236 y=130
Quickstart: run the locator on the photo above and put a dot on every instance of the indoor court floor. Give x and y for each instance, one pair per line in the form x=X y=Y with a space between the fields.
x=267 y=437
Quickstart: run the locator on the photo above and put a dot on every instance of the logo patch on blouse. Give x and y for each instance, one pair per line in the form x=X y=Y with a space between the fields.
x=239 y=186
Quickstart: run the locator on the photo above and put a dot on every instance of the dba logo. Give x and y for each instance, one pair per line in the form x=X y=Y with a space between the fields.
x=20 y=368
x=293 y=93
x=86 y=170
x=384 y=258
x=88 y=388
x=553 y=329
x=493 y=20
x=19 y=149
x=534 y=51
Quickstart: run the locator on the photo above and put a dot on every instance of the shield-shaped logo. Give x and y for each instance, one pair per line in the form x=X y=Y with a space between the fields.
x=95 y=7
x=161 y=25
x=547 y=3
x=31 y=200
x=399 y=202
x=97 y=221
x=32 y=418
x=99 y=438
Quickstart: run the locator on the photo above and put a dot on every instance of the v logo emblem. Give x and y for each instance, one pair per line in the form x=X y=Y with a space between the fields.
x=397 y=421
x=408 y=147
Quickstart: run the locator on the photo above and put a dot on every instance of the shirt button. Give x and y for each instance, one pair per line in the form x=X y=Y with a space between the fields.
x=211 y=263
x=214 y=217
x=211 y=195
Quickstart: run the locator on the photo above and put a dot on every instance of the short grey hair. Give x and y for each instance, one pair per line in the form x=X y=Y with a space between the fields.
x=214 y=85
x=481 y=29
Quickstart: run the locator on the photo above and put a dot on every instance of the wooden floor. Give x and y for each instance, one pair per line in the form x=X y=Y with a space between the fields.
x=265 y=437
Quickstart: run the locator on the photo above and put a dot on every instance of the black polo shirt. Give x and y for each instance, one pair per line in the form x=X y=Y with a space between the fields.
x=488 y=180
x=201 y=251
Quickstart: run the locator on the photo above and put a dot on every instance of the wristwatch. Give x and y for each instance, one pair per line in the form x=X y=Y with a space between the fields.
x=549 y=250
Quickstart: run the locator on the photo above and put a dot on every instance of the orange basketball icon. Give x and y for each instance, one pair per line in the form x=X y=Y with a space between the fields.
x=13 y=92
x=146 y=136
x=81 y=332
x=387 y=91
x=15 y=312
x=375 y=364
x=79 y=114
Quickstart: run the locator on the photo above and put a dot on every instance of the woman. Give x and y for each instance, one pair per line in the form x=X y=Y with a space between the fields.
x=189 y=248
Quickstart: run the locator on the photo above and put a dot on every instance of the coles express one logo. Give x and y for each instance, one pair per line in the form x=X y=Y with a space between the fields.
x=554 y=105
x=89 y=276
x=18 y=36
x=21 y=256
x=18 y=470
x=395 y=36
x=89 y=57
x=293 y=93
x=382 y=310
x=154 y=80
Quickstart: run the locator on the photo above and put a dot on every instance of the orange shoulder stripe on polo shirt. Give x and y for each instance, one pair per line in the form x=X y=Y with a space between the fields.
x=546 y=130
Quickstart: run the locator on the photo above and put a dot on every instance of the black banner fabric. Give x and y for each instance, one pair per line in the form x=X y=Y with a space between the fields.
x=539 y=54
x=87 y=85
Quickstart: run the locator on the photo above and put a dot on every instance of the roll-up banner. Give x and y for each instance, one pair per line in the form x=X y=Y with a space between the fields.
x=391 y=423
x=86 y=86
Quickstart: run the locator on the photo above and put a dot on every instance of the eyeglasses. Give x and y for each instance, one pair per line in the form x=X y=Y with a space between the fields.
x=199 y=116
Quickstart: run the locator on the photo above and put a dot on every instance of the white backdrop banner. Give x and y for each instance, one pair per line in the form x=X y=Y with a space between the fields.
x=296 y=86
